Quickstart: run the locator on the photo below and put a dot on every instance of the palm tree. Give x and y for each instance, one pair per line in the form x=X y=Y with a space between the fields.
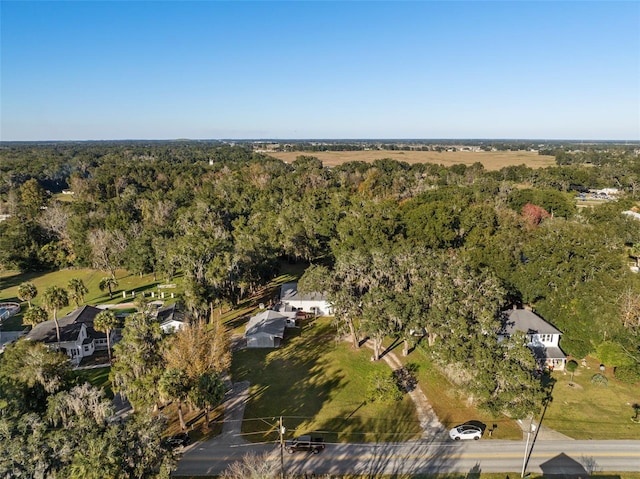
x=106 y=322
x=108 y=282
x=34 y=316
x=53 y=299
x=78 y=290
x=174 y=385
x=27 y=291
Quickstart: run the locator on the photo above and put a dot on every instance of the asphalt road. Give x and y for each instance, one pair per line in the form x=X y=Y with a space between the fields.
x=578 y=458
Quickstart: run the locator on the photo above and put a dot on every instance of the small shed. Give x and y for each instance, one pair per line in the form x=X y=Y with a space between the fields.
x=265 y=330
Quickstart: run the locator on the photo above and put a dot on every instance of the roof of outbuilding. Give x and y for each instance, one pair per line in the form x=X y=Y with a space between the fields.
x=268 y=322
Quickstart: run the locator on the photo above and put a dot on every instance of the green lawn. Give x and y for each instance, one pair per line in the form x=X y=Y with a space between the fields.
x=9 y=282
x=98 y=377
x=588 y=411
x=318 y=384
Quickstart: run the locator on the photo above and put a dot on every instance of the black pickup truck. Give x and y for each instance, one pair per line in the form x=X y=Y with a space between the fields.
x=307 y=442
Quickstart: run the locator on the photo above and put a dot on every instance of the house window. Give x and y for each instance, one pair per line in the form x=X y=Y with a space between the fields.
x=545 y=338
x=86 y=348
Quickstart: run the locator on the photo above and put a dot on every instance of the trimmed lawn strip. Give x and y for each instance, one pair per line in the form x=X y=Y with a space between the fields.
x=589 y=411
x=318 y=384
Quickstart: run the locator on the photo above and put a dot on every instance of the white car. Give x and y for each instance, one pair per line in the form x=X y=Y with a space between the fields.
x=465 y=431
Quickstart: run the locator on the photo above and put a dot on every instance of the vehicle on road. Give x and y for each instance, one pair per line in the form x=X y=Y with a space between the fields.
x=465 y=431
x=315 y=444
x=178 y=440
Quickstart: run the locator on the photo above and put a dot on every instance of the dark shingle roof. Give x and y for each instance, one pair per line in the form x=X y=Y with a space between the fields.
x=70 y=326
x=525 y=321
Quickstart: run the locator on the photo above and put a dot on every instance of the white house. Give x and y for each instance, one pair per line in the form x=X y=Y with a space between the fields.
x=315 y=303
x=171 y=319
x=78 y=339
x=543 y=338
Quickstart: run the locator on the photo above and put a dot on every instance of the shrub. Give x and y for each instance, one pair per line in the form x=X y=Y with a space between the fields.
x=383 y=387
x=599 y=380
x=628 y=374
x=406 y=377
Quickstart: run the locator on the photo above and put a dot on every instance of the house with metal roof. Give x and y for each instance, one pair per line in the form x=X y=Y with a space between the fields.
x=315 y=303
x=543 y=337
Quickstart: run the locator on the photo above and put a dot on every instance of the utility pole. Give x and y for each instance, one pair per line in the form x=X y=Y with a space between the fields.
x=281 y=430
x=532 y=427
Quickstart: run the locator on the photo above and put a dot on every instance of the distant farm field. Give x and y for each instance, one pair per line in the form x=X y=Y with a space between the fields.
x=491 y=160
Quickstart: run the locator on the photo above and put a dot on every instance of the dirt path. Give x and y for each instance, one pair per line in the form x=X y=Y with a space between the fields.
x=428 y=420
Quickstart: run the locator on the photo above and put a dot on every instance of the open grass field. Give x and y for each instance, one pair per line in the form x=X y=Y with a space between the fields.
x=588 y=411
x=491 y=160
x=318 y=384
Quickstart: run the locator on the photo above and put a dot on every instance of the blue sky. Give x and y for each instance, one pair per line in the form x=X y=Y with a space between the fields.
x=208 y=69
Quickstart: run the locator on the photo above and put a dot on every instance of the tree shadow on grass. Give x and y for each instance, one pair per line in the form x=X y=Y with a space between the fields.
x=288 y=381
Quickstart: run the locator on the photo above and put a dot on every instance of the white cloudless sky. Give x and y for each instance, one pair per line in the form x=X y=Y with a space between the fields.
x=287 y=70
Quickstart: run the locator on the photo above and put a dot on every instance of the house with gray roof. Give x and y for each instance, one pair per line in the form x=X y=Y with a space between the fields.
x=315 y=303
x=543 y=337
x=78 y=338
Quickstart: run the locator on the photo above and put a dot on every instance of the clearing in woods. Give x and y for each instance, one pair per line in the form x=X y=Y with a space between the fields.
x=491 y=160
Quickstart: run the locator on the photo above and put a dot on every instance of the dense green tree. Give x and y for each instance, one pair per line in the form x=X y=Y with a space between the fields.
x=138 y=361
x=29 y=372
x=32 y=198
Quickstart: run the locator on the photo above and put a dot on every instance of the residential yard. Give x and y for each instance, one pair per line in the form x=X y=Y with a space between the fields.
x=449 y=405
x=588 y=411
x=318 y=384
x=9 y=282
